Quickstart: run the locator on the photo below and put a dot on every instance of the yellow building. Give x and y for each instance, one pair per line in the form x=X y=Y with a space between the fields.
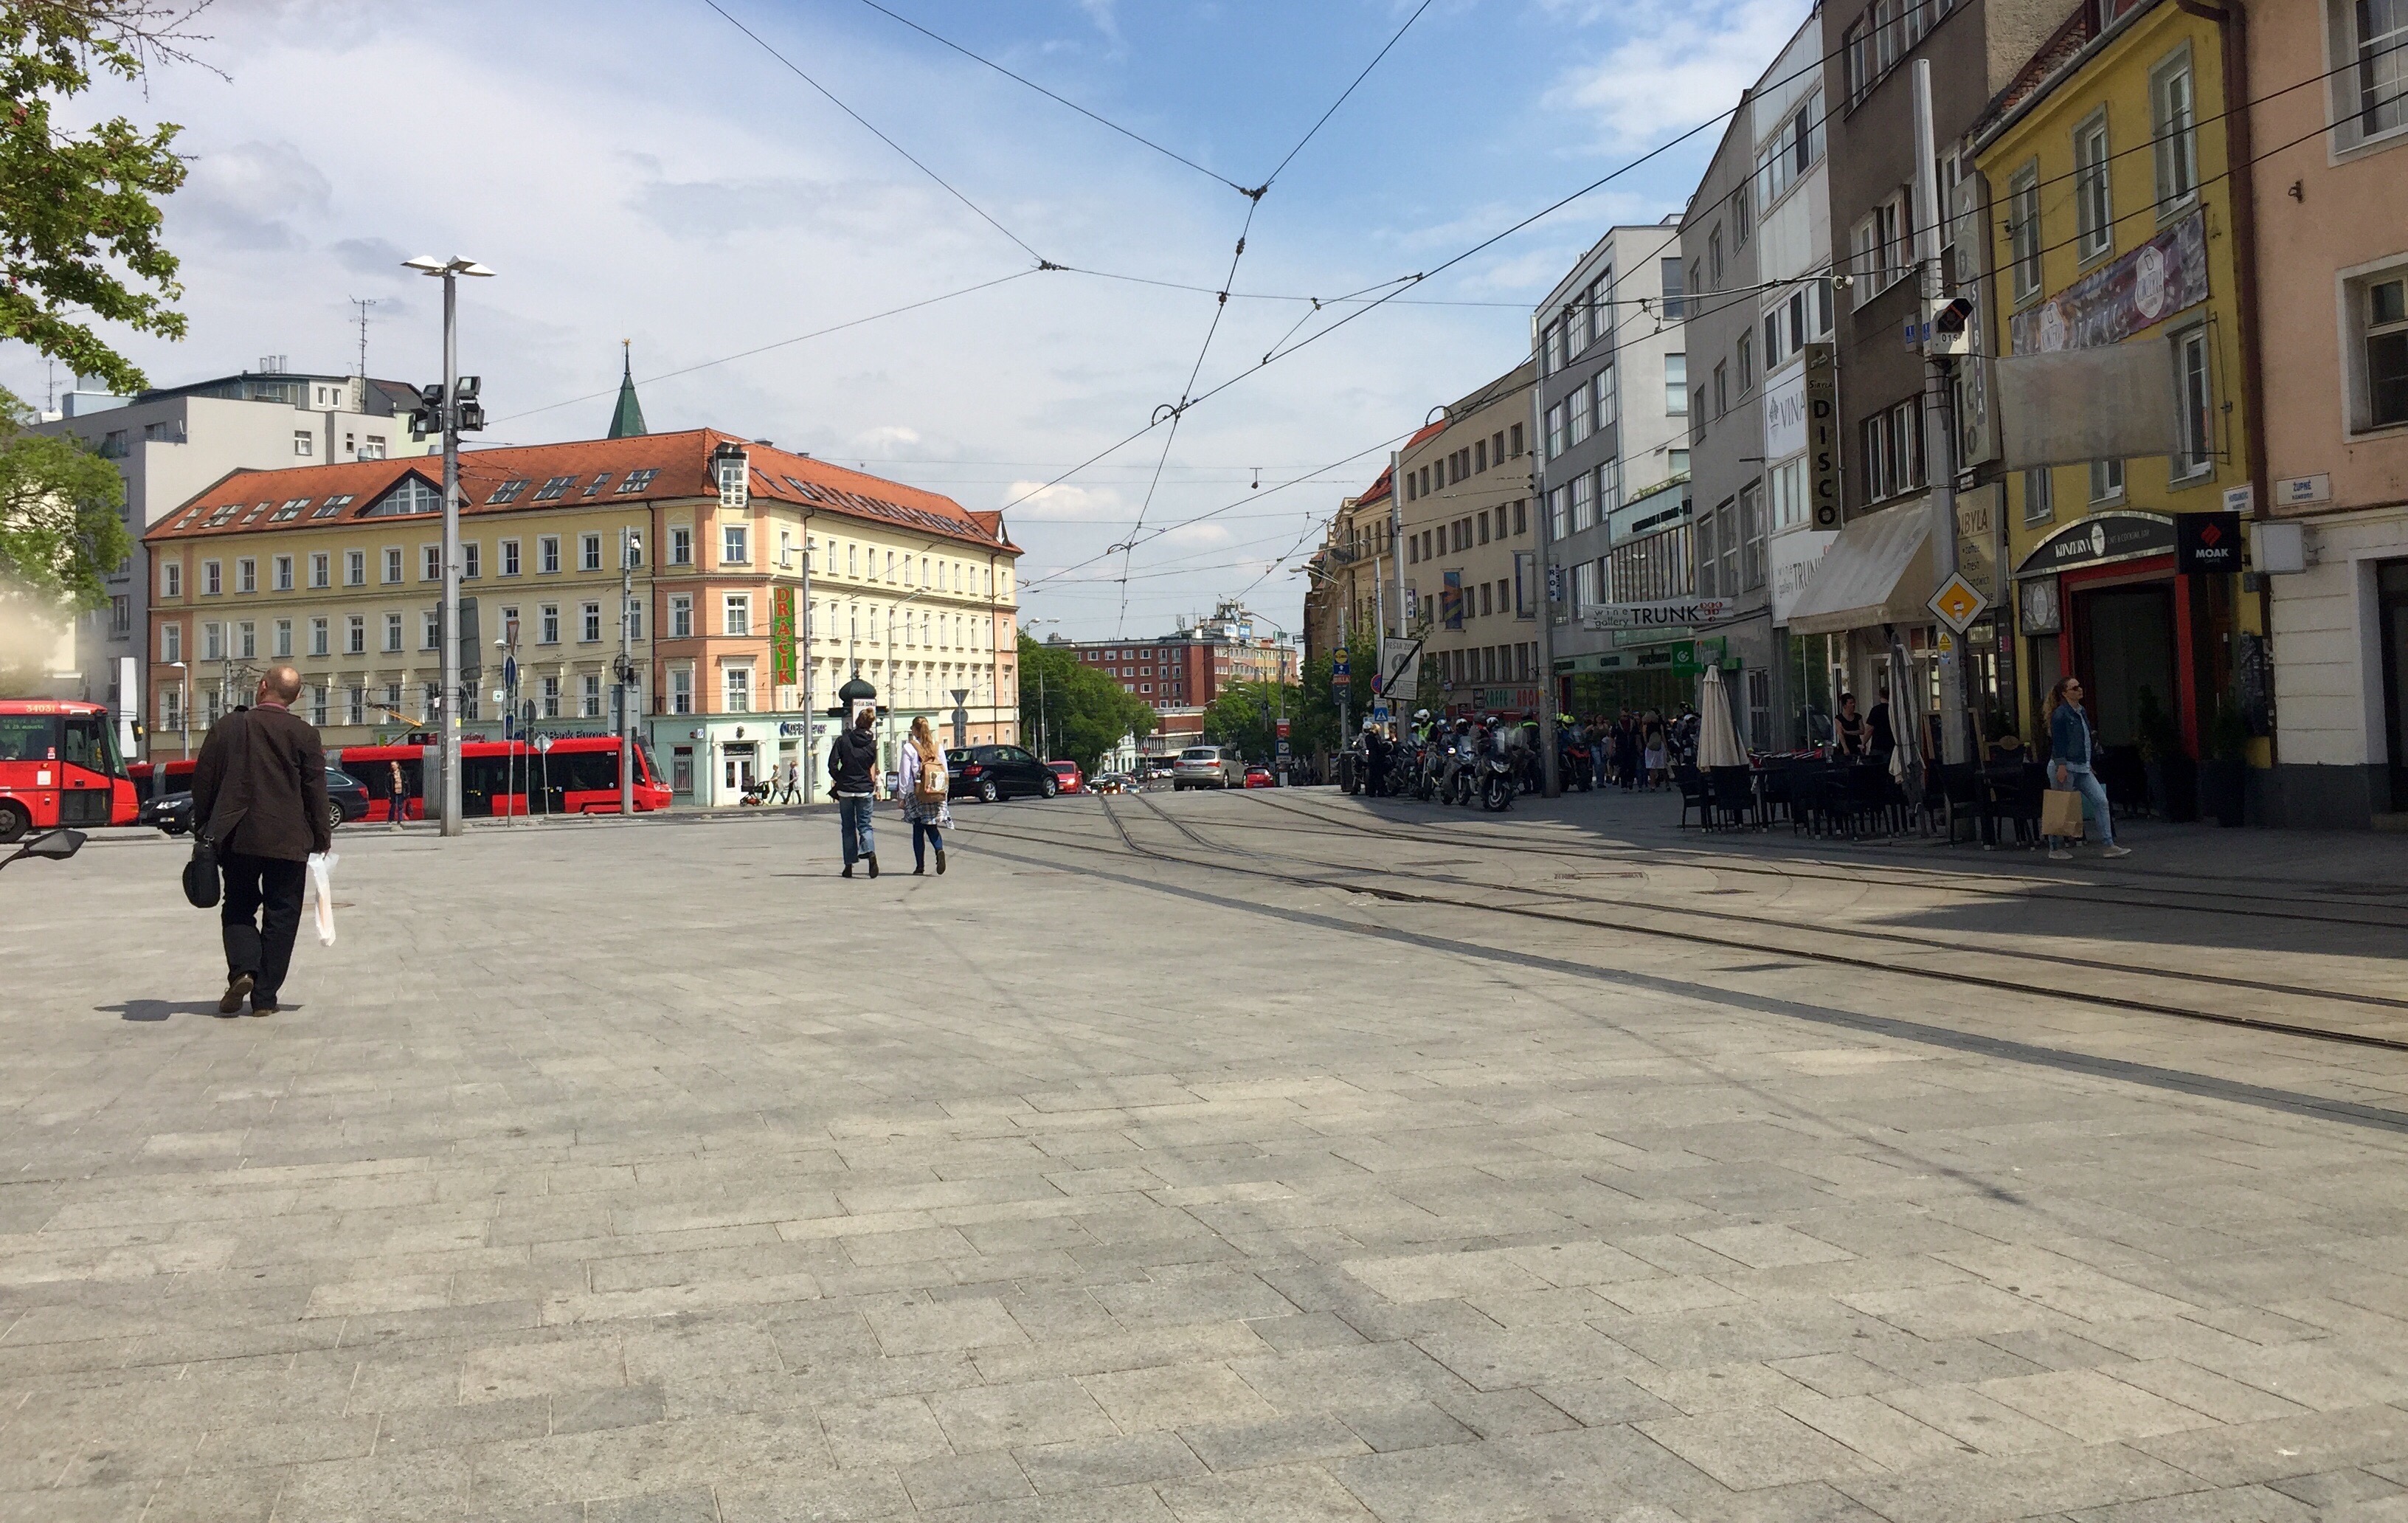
x=2112 y=225
x=751 y=604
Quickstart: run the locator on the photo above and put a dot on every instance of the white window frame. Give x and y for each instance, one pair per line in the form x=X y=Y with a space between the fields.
x=2354 y=290
x=2194 y=362
x=2173 y=129
x=736 y=615
x=2106 y=481
x=2024 y=231
x=2094 y=189
x=171 y=578
x=2350 y=83
x=736 y=687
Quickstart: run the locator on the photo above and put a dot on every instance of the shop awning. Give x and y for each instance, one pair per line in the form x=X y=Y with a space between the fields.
x=1878 y=571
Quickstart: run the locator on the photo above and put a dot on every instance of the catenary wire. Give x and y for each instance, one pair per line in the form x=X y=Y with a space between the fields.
x=1273 y=176
x=1100 y=121
x=982 y=214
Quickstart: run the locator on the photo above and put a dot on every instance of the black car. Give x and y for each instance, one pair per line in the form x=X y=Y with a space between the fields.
x=347 y=799
x=993 y=773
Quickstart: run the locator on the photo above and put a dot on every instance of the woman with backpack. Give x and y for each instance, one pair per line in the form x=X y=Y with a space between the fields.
x=925 y=790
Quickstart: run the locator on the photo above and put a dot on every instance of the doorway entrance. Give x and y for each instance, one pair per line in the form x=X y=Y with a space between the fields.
x=737 y=755
x=2125 y=645
x=2391 y=615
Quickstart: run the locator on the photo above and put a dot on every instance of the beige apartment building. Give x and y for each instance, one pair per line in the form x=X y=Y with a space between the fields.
x=762 y=581
x=2331 y=213
x=1472 y=553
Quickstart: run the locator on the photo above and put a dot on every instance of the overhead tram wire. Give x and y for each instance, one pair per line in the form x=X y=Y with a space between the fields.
x=763 y=349
x=1099 y=120
x=790 y=67
x=1343 y=95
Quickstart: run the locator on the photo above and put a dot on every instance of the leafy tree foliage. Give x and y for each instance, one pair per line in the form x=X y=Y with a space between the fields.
x=1085 y=713
x=79 y=219
x=62 y=515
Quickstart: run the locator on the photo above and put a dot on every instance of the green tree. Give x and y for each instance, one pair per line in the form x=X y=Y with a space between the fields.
x=1244 y=717
x=79 y=218
x=1085 y=713
x=62 y=515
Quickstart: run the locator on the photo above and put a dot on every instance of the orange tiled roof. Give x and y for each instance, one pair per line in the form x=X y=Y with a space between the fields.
x=645 y=469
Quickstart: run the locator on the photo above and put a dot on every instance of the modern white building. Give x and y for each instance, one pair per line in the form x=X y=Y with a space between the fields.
x=172 y=444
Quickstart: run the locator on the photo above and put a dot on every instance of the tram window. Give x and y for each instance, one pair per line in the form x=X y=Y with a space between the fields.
x=591 y=770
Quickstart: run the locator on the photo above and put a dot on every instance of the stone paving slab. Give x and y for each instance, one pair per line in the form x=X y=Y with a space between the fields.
x=652 y=1173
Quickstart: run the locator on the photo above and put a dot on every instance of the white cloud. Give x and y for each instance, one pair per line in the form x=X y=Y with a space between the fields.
x=1066 y=504
x=1673 y=66
x=249 y=196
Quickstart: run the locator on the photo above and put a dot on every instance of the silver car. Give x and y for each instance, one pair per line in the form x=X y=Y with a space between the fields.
x=1206 y=767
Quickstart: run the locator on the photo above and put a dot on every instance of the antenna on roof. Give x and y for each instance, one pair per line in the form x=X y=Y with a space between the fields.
x=364 y=303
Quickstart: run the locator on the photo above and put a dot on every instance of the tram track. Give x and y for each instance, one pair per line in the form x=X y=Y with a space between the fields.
x=2044 y=891
x=1758 y=944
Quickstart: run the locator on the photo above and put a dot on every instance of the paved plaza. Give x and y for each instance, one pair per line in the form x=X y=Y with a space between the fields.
x=650 y=1171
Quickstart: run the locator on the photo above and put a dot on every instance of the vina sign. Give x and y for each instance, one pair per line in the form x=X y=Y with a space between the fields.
x=1681 y=614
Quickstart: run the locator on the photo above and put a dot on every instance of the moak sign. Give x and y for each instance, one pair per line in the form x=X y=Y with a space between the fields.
x=2207 y=542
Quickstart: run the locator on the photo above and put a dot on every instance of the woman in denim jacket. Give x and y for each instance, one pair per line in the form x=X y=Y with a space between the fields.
x=2069 y=767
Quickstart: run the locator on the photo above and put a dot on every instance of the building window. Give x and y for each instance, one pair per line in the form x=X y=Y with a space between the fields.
x=590 y=623
x=682 y=690
x=282 y=573
x=171 y=707
x=2039 y=496
x=1751 y=535
x=430 y=631
x=2094 y=203
x=472 y=563
x=1554 y=431
x=355 y=568
x=589 y=699
x=1576 y=417
x=305 y=444
x=551 y=692
x=392 y=563
x=547 y=552
x=171 y=642
x=589 y=552
x=2194 y=403
x=392 y=632
x=1676 y=385
x=634 y=617
x=1583 y=502
x=736 y=689
x=2378 y=309
x=171 y=578
x=374 y=448
x=280 y=640
x=681 y=552
x=430 y=563
x=212 y=642
x=2106 y=480
x=738 y=614
x=321 y=569
x=1722 y=389
x=1714 y=258
x=681 y=617
x=355 y=634
x=1668 y=274
x=2370 y=99
x=734 y=548
x=509 y=557
x=1746 y=362
x=356 y=705
x=246 y=575
x=317 y=637
x=2173 y=111
x=547 y=625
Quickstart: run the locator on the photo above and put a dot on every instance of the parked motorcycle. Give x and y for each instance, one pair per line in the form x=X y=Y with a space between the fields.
x=1496 y=785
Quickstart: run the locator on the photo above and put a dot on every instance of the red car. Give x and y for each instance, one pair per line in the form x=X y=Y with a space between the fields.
x=1260 y=777
x=1072 y=780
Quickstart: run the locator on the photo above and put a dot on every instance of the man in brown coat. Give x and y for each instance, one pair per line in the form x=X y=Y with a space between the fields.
x=259 y=793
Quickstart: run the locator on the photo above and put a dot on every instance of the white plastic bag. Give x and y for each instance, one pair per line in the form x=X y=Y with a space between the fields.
x=322 y=874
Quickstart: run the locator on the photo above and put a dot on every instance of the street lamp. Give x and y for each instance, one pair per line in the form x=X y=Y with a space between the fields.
x=1026 y=624
x=184 y=710
x=452 y=410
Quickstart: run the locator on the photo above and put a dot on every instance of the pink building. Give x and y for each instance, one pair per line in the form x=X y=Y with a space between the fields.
x=2332 y=255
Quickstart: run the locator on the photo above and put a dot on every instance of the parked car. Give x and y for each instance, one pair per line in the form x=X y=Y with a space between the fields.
x=1260 y=777
x=991 y=774
x=1071 y=779
x=347 y=799
x=1206 y=767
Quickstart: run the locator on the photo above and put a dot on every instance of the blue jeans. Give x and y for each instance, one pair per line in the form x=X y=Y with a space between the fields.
x=2096 y=815
x=852 y=822
x=925 y=834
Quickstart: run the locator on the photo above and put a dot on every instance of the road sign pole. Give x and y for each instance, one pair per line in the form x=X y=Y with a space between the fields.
x=1939 y=431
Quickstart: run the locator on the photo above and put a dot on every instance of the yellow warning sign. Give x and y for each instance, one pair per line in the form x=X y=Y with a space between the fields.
x=1957 y=603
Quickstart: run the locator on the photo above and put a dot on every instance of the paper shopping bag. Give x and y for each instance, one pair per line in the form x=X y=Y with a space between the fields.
x=2061 y=813
x=322 y=874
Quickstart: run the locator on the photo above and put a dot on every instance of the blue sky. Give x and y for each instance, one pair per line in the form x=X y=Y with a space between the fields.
x=643 y=171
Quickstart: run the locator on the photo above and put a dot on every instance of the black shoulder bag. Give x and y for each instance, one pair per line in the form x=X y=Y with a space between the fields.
x=201 y=872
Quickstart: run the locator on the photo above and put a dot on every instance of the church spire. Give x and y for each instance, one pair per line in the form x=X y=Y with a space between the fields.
x=627 y=418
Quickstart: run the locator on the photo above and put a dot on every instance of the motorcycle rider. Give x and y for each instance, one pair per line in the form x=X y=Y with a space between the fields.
x=1376 y=752
x=1462 y=753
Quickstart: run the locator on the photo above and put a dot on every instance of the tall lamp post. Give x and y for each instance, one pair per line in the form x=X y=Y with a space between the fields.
x=452 y=410
x=1041 y=747
x=184 y=710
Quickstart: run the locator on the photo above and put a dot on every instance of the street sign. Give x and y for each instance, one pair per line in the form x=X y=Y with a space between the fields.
x=2207 y=541
x=1957 y=603
x=1282 y=731
x=543 y=742
x=1340 y=673
x=1379 y=713
x=510 y=667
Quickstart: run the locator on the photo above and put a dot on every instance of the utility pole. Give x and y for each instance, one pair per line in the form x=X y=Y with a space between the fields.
x=453 y=408
x=631 y=546
x=1939 y=438
x=810 y=748
x=1550 y=772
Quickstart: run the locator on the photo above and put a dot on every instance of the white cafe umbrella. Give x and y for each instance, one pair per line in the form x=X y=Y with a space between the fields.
x=1717 y=741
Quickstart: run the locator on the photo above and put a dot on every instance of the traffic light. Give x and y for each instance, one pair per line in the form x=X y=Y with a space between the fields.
x=1950 y=331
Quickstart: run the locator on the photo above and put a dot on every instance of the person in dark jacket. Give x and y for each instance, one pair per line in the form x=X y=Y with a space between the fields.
x=258 y=793
x=852 y=777
x=2071 y=743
